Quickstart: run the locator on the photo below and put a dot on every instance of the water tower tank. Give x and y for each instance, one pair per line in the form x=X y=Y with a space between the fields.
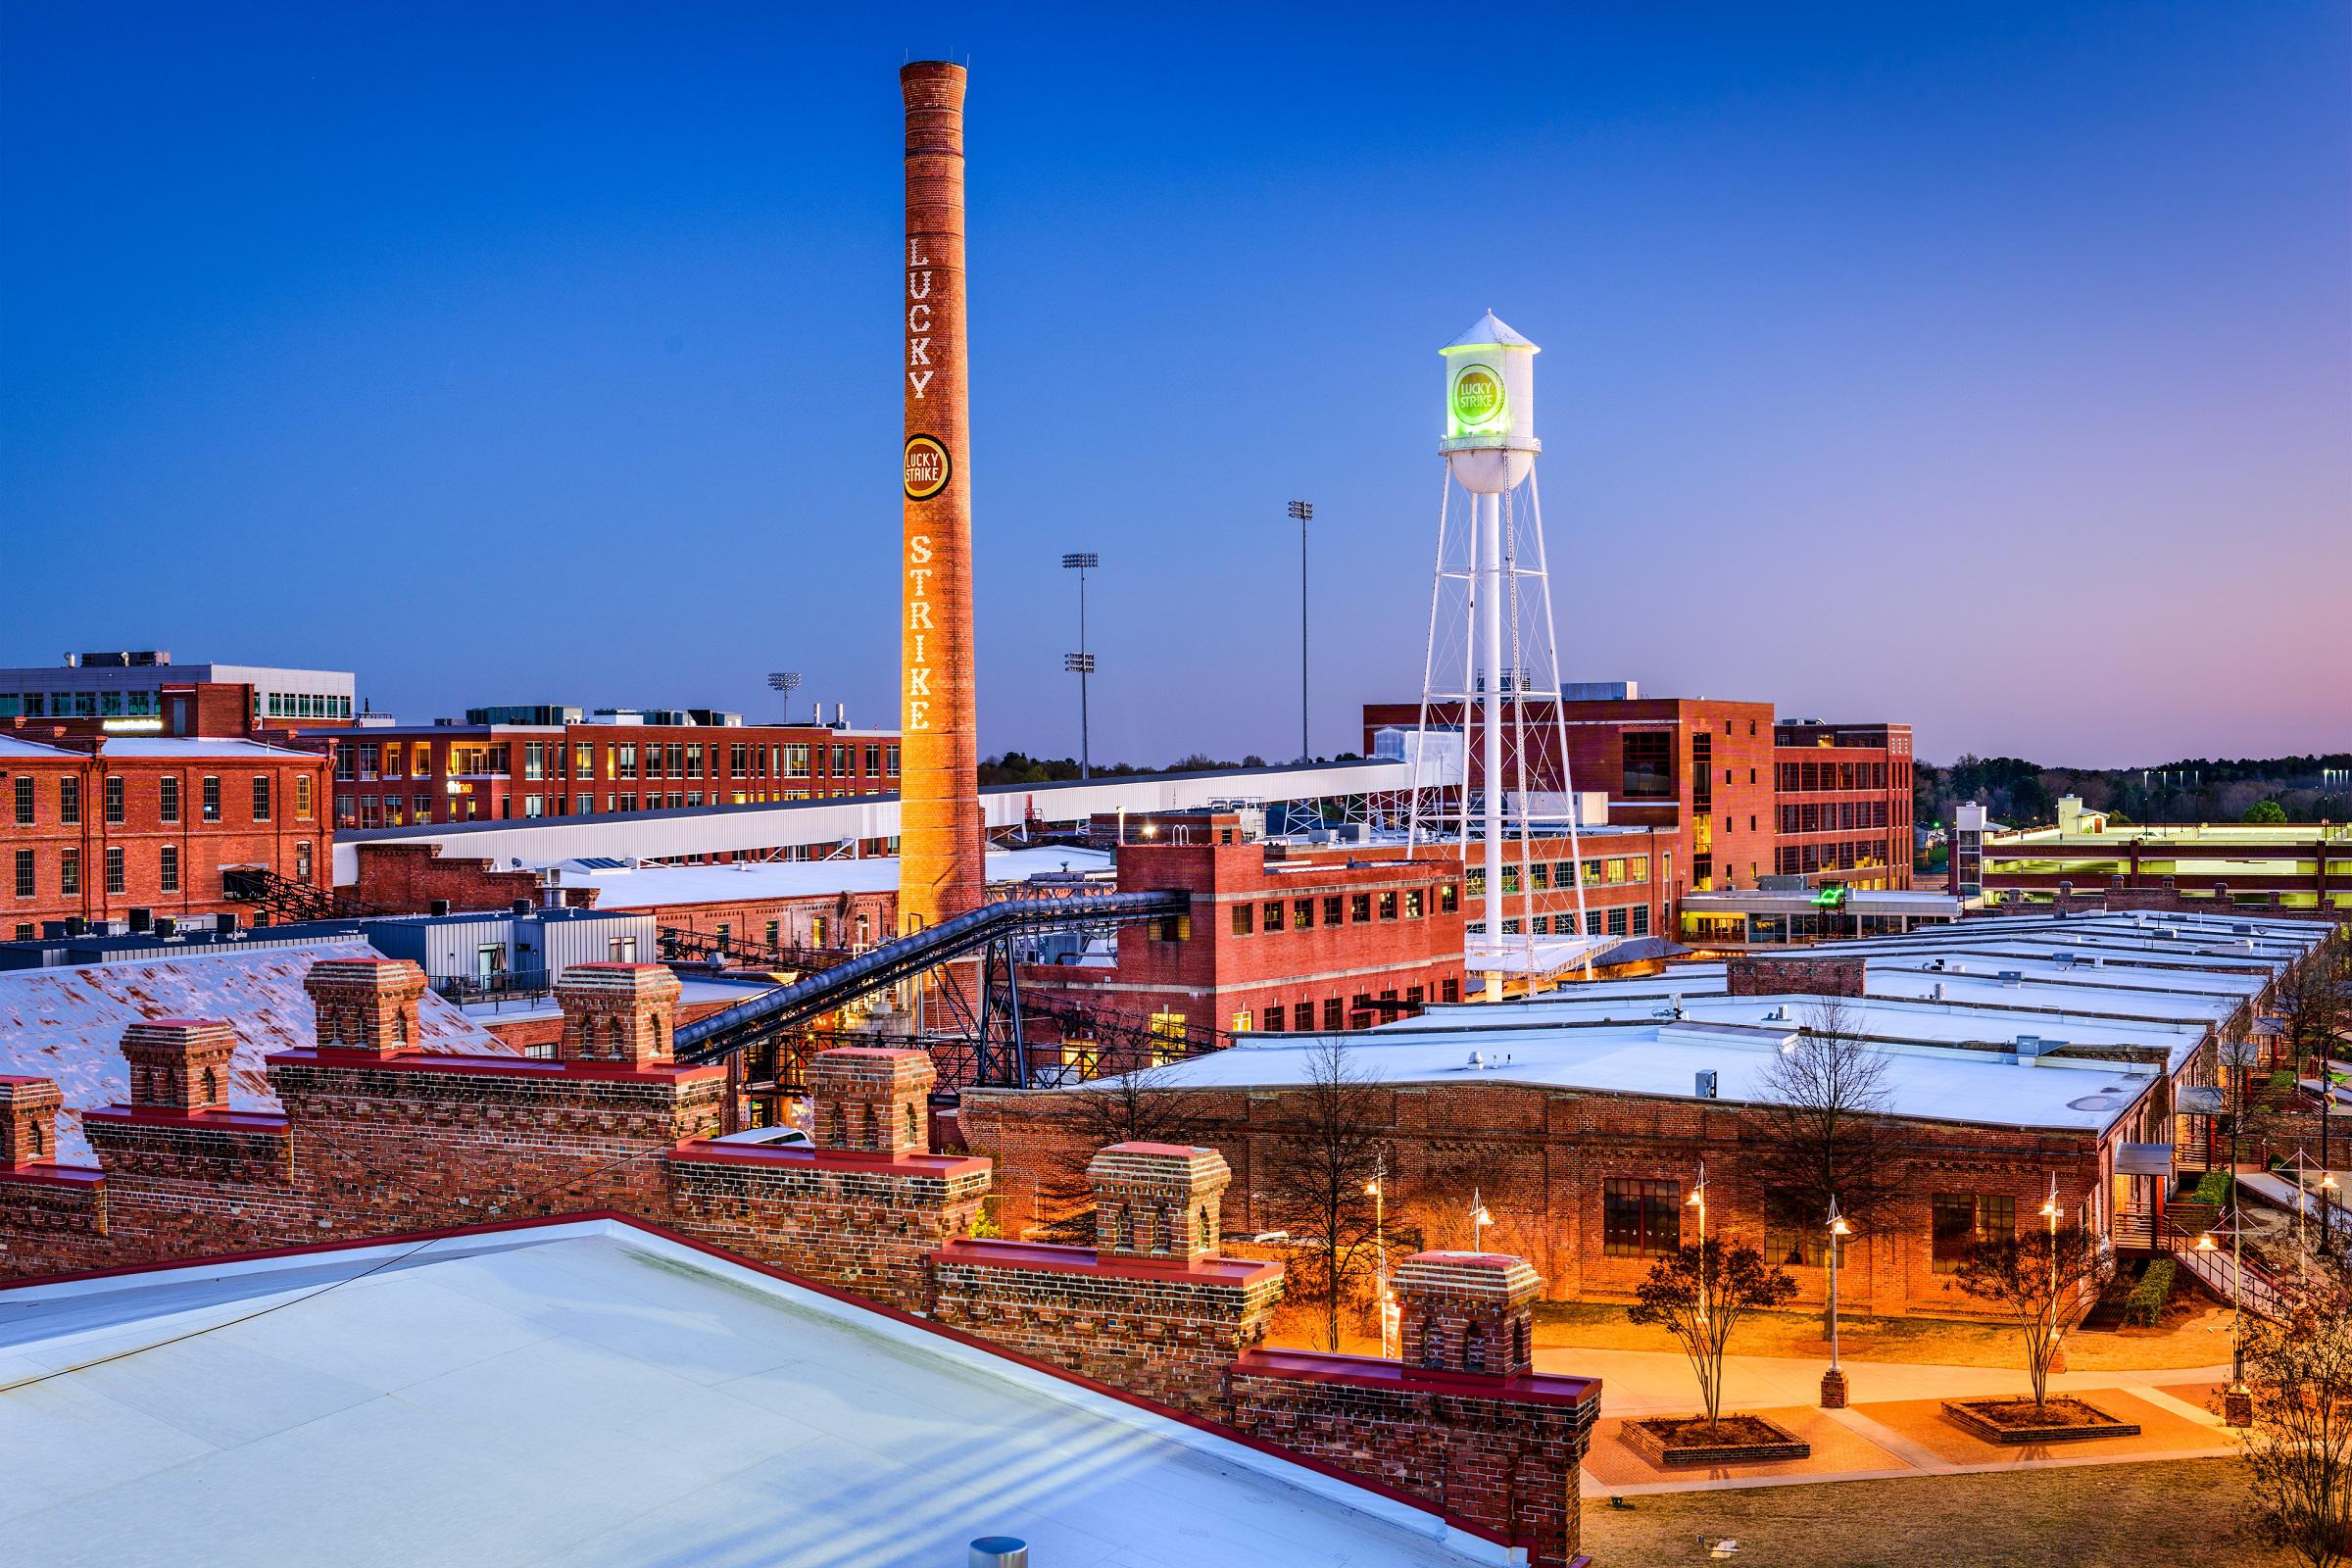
x=1490 y=407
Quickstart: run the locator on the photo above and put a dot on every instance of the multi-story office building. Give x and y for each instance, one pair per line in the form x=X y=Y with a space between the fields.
x=143 y=692
x=97 y=829
x=1735 y=796
x=408 y=774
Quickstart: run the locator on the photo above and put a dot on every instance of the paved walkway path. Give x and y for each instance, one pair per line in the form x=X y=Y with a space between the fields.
x=1894 y=1426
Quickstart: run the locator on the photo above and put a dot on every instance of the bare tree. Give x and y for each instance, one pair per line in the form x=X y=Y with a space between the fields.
x=1313 y=1176
x=2039 y=1278
x=1698 y=1295
x=1825 y=1131
x=2311 y=998
x=2299 y=1447
x=1133 y=1107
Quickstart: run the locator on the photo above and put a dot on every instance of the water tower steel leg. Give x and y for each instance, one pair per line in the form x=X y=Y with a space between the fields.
x=1492 y=588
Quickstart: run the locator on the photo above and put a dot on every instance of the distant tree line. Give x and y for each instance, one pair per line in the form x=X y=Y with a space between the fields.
x=2023 y=793
x=1019 y=767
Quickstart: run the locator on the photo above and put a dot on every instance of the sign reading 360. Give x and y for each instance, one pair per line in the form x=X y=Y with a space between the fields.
x=928 y=467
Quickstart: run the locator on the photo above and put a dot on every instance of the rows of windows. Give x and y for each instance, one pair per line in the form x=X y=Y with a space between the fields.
x=1832 y=817
x=114 y=793
x=1792 y=859
x=1331 y=1014
x=1642 y=1218
x=1543 y=876
x=66 y=871
x=357 y=760
x=1339 y=909
x=1806 y=778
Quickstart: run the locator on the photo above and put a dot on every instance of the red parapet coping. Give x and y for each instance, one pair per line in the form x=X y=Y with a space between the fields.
x=510 y=1067
x=1048 y=1258
x=54 y=1175
x=222 y=1122
x=1305 y=1462
x=803 y=1156
x=1376 y=1372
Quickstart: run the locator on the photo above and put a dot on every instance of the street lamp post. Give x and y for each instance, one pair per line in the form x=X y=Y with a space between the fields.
x=1699 y=1201
x=1833 y=1382
x=1303 y=512
x=1480 y=1219
x=2237 y=1401
x=2049 y=1212
x=1377 y=1190
x=1081 y=664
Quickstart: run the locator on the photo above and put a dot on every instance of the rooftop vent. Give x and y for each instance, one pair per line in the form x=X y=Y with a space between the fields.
x=2013 y=977
x=1778 y=1013
x=1936 y=992
x=999 y=1551
x=1705 y=1085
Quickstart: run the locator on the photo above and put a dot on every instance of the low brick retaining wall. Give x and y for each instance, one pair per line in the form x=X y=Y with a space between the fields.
x=1644 y=1440
x=1960 y=1411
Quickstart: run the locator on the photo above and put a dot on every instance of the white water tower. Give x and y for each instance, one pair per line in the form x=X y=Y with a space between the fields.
x=1490 y=608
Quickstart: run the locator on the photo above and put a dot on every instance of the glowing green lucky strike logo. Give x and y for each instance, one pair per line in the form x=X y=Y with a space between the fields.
x=1477 y=395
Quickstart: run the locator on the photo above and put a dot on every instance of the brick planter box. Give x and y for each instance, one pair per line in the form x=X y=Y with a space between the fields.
x=1746 y=1438
x=1970 y=1414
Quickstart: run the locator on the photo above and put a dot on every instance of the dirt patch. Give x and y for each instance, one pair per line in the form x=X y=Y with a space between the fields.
x=2075 y=1516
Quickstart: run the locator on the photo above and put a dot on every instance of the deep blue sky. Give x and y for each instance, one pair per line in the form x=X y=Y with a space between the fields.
x=1990 y=369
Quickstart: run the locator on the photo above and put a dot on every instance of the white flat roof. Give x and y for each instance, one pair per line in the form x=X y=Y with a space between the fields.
x=1663 y=1059
x=197 y=746
x=661 y=886
x=589 y=1393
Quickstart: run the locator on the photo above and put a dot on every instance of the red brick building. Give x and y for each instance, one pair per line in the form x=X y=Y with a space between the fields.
x=1735 y=795
x=412 y=774
x=96 y=827
x=1281 y=936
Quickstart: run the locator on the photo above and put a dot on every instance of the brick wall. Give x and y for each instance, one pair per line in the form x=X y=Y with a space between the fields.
x=1166 y=1330
x=1500 y=1453
x=865 y=1222
x=1540 y=1160
x=405 y=878
x=1803 y=978
x=185 y=1184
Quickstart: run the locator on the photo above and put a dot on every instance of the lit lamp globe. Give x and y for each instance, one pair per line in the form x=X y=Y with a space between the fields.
x=1490 y=407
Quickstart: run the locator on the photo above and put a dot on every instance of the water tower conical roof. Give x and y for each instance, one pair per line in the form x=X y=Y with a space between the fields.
x=1489 y=333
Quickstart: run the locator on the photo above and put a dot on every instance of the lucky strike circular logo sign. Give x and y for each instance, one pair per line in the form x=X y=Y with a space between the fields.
x=928 y=468
x=1477 y=394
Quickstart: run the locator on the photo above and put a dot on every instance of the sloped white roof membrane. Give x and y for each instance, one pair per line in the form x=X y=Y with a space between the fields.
x=590 y=1393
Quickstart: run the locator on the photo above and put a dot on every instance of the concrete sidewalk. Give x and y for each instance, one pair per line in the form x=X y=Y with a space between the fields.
x=1894 y=1426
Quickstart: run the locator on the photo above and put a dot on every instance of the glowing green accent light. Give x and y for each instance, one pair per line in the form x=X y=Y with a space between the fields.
x=1477 y=401
x=1831 y=897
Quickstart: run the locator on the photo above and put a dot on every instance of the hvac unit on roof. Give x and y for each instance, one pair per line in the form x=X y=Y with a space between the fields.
x=1704 y=1088
x=1777 y=1014
x=1936 y=992
x=2013 y=977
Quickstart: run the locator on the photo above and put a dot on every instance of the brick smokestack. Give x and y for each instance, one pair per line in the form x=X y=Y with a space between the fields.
x=941 y=872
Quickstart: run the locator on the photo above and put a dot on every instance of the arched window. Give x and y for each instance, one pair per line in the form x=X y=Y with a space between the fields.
x=913 y=1133
x=212 y=1086
x=40 y=1140
x=1474 y=1348
x=1200 y=1230
x=1432 y=1345
x=869 y=1136
x=399 y=1027
x=1519 y=1353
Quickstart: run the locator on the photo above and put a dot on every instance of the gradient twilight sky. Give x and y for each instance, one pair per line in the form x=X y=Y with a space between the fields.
x=1985 y=367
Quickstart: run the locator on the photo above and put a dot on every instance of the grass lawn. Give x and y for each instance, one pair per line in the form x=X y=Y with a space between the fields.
x=2197 y=1337
x=2078 y=1516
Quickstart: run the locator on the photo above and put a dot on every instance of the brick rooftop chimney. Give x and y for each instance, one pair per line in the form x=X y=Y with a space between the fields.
x=28 y=1120
x=1467 y=1312
x=619 y=1012
x=179 y=1063
x=1157 y=1200
x=366 y=1003
x=873 y=1097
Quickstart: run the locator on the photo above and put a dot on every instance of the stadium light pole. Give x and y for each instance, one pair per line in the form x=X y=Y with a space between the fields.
x=1081 y=664
x=1304 y=512
x=786 y=681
